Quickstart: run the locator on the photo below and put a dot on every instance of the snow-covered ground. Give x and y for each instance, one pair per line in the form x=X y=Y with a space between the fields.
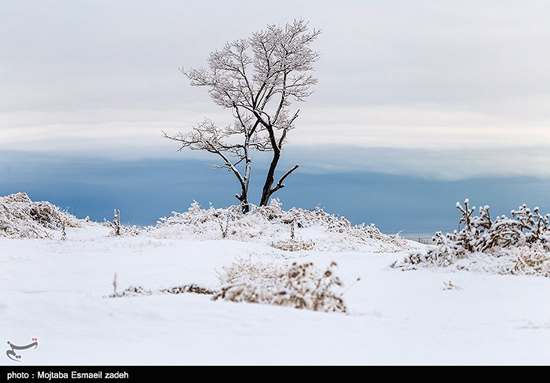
x=57 y=291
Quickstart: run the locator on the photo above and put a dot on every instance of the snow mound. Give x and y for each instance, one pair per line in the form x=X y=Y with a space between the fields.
x=292 y=230
x=22 y=218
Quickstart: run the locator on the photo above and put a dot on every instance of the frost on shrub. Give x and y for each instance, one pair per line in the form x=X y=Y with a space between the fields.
x=135 y=291
x=531 y=262
x=293 y=245
x=300 y=286
x=132 y=291
x=295 y=229
x=22 y=218
x=516 y=245
x=192 y=288
x=119 y=229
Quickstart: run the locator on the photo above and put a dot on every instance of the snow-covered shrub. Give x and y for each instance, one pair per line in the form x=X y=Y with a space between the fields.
x=300 y=286
x=534 y=226
x=450 y=286
x=120 y=229
x=246 y=271
x=134 y=291
x=294 y=228
x=116 y=222
x=63 y=230
x=516 y=245
x=522 y=260
x=192 y=288
x=531 y=262
x=22 y=218
x=293 y=245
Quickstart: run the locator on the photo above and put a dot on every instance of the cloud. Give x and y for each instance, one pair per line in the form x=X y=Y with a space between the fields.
x=427 y=143
x=445 y=165
x=454 y=89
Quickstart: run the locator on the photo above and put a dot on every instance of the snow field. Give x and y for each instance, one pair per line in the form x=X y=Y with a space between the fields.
x=58 y=292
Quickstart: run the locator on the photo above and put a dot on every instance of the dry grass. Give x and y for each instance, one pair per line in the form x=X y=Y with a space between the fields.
x=293 y=245
x=300 y=286
x=134 y=291
x=22 y=218
x=292 y=230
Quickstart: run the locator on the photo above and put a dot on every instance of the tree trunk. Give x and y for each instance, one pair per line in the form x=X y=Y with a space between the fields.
x=270 y=178
x=245 y=208
x=243 y=198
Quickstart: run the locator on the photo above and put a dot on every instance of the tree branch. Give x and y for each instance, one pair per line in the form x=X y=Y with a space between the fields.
x=280 y=184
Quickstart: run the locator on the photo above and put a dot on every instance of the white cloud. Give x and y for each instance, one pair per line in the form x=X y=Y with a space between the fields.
x=425 y=85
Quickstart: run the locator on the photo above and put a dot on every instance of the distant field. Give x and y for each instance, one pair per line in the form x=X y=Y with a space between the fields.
x=422 y=237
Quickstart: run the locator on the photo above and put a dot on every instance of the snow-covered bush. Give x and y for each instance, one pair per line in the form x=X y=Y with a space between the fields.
x=116 y=222
x=22 y=218
x=522 y=260
x=300 y=286
x=293 y=245
x=192 y=288
x=135 y=291
x=132 y=291
x=516 y=245
x=293 y=229
x=121 y=230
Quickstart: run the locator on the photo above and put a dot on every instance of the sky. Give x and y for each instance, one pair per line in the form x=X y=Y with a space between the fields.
x=446 y=93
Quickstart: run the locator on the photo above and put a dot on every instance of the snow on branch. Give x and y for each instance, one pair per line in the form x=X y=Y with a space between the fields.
x=257 y=78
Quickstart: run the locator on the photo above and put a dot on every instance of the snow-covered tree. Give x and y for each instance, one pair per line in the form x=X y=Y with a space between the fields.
x=257 y=79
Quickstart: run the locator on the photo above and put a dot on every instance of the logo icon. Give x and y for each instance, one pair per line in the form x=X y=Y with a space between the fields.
x=16 y=357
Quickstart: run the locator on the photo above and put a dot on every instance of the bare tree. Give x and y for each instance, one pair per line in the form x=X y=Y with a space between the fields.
x=257 y=79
